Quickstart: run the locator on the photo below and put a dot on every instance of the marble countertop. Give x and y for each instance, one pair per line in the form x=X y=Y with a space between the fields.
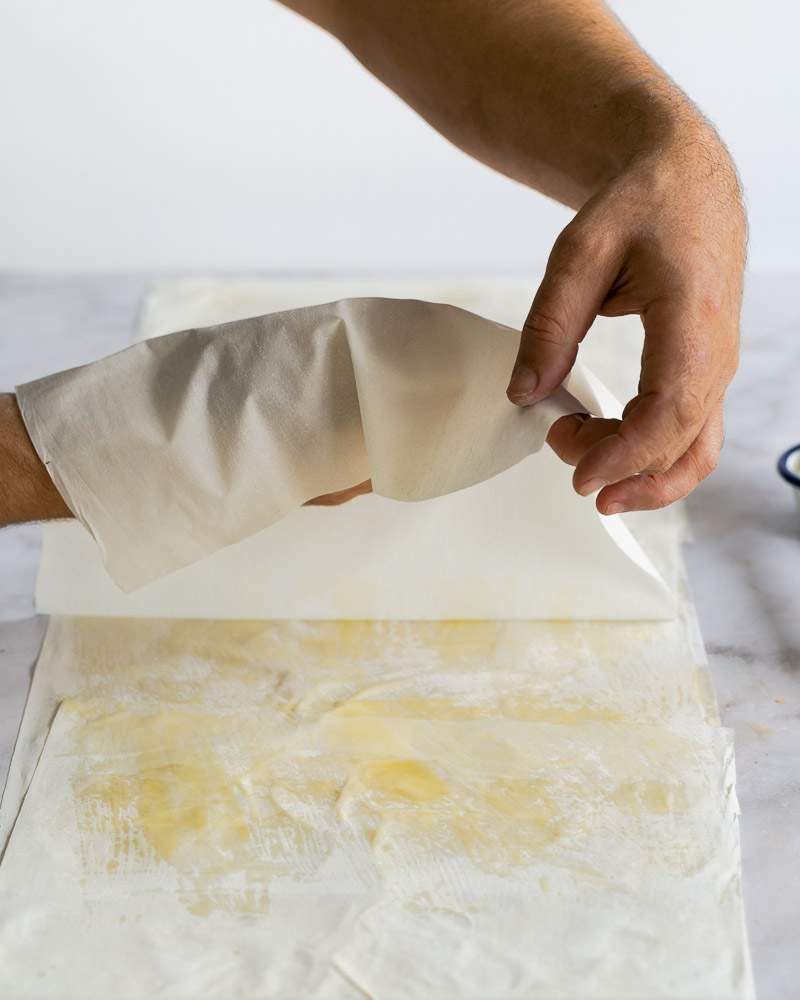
x=744 y=566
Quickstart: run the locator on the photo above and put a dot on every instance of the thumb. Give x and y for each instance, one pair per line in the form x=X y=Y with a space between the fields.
x=580 y=271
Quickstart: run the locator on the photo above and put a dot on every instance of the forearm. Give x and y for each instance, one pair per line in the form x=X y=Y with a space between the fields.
x=26 y=491
x=553 y=93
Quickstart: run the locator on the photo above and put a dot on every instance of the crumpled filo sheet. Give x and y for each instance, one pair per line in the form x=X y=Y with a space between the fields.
x=193 y=446
x=181 y=445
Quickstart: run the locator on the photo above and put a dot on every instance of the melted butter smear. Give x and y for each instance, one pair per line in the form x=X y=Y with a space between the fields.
x=406 y=780
x=522 y=707
x=230 y=754
x=198 y=795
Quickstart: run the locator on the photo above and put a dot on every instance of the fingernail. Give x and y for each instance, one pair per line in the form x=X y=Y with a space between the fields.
x=522 y=386
x=615 y=508
x=591 y=486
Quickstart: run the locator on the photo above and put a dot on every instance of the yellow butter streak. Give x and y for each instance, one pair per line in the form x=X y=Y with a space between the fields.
x=171 y=779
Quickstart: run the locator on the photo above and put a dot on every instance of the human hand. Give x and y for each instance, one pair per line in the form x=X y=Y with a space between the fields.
x=665 y=239
x=340 y=496
x=27 y=493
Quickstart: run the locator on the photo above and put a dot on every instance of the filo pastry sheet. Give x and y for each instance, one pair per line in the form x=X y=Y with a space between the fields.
x=371 y=809
x=184 y=444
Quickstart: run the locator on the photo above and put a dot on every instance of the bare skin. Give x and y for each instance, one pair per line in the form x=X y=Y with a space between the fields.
x=27 y=493
x=340 y=496
x=557 y=95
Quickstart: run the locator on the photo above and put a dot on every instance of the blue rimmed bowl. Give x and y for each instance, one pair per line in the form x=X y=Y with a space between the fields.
x=789 y=468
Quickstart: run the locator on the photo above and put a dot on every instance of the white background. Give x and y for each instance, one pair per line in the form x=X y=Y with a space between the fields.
x=207 y=136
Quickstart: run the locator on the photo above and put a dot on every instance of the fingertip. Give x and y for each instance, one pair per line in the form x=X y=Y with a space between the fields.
x=570 y=424
x=523 y=385
x=588 y=486
x=622 y=497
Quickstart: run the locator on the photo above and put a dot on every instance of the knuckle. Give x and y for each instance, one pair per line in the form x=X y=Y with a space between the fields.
x=710 y=302
x=650 y=456
x=582 y=242
x=704 y=463
x=547 y=326
x=660 y=463
x=570 y=242
x=688 y=409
